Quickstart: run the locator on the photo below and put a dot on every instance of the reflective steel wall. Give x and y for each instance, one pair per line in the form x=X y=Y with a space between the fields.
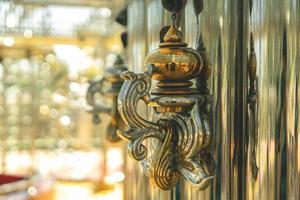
x=136 y=183
x=226 y=26
x=275 y=25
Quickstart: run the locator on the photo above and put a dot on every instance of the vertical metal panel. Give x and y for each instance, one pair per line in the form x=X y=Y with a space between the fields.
x=137 y=43
x=260 y=21
x=155 y=16
x=223 y=85
x=276 y=46
x=296 y=22
x=292 y=22
x=222 y=27
x=136 y=182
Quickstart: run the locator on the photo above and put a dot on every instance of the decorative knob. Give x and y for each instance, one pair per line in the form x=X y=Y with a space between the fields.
x=173 y=60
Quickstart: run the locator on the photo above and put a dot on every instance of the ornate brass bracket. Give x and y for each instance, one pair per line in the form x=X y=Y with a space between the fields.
x=182 y=140
x=178 y=141
x=108 y=87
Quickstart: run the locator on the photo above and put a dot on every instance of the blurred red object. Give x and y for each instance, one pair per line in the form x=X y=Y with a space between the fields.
x=13 y=187
x=4 y=179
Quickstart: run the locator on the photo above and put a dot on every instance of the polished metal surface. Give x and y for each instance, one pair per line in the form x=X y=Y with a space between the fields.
x=136 y=183
x=226 y=26
x=274 y=25
x=219 y=27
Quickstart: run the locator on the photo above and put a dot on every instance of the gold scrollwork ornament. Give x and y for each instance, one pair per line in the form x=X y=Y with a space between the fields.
x=182 y=132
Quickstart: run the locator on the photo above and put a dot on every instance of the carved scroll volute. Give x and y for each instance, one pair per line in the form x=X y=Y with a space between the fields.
x=135 y=88
x=159 y=167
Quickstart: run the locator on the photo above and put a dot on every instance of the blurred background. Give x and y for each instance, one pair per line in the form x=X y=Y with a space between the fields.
x=50 y=149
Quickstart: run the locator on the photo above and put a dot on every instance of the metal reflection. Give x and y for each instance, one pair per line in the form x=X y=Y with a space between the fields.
x=108 y=87
x=252 y=99
x=225 y=27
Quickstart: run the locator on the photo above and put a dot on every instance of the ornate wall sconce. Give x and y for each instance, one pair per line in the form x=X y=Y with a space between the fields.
x=180 y=133
x=108 y=87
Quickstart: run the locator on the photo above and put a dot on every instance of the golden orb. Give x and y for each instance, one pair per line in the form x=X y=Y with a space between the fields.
x=173 y=60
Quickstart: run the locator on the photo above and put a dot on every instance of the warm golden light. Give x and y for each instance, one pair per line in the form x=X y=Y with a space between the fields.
x=8 y=41
x=44 y=110
x=115 y=178
x=48 y=54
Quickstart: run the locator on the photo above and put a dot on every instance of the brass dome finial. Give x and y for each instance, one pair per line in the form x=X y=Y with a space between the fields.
x=173 y=35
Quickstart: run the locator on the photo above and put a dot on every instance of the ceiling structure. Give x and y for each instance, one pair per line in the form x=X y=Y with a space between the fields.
x=88 y=3
x=57 y=17
x=37 y=24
